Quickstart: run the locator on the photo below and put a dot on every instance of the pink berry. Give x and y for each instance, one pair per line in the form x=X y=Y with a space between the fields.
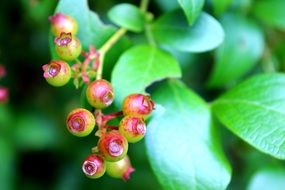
x=133 y=128
x=4 y=94
x=80 y=122
x=137 y=105
x=113 y=146
x=100 y=94
x=2 y=71
x=63 y=23
x=94 y=166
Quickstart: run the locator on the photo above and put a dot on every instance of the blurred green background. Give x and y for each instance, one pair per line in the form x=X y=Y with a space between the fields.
x=37 y=152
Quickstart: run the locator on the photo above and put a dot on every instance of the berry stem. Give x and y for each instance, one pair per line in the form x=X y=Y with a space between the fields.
x=111 y=127
x=94 y=150
x=103 y=50
x=144 y=5
x=100 y=67
x=112 y=40
x=149 y=36
x=149 y=17
x=106 y=118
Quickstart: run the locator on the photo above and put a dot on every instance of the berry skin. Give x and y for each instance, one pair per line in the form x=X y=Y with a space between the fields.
x=99 y=94
x=4 y=94
x=120 y=169
x=113 y=146
x=63 y=23
x=133 y=128
x=57 y=73
x=137 y=105
x=67 y=47
x=80 y=122
x=94 y=166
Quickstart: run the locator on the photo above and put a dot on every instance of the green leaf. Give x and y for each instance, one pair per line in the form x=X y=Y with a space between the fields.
x=271 y=12
x=91 y=30
x=272 y=178
x=220 y=5
x=182 y=144
x=254 y=111
x=192 y=9
x=242 y=48
x=139 y=67
x=127 y=16
x=173 y=30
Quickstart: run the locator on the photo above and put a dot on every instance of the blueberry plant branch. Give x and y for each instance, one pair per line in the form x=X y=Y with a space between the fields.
x=103 y=50
x=149 y=36
x=144 y=5
x=110 y=152
x=149 y=18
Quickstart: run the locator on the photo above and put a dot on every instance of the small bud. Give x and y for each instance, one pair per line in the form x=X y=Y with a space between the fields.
x=137 y=105
x=80 y=122
x=100 y=94
x=63 y=23
x=113 y=146
x=57 y=73
x=4 y=94
x=67 y=46
x=121 y=169
x=94 y=166
x=133 y=128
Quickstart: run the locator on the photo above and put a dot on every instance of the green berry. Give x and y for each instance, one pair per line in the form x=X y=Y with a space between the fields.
x=99 y=94
x=57 y=73
x=94 y=166
x=120 y=169
x=133 y=128
x=113 y=146
x=80 y=122
x=67 y=47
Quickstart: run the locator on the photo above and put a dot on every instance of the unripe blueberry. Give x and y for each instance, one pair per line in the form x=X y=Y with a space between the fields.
x=94 y=166
x=80 y=122
x=113 y=146
x=137 y=105
x=67 y=46
x=3 y=94
x=133 y=128
x=100 y=94
x=63 y=23
x=120 y=169
x=57 y=73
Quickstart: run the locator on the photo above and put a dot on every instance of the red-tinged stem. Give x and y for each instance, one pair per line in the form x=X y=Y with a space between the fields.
x=102 y=120
x=106 y=118
x=111 y=127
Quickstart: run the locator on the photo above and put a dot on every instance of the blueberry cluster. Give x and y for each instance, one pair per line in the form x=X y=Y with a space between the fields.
x=110 y=153
x=112 y=147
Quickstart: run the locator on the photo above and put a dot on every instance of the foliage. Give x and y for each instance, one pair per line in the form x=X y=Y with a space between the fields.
x=214 y=69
